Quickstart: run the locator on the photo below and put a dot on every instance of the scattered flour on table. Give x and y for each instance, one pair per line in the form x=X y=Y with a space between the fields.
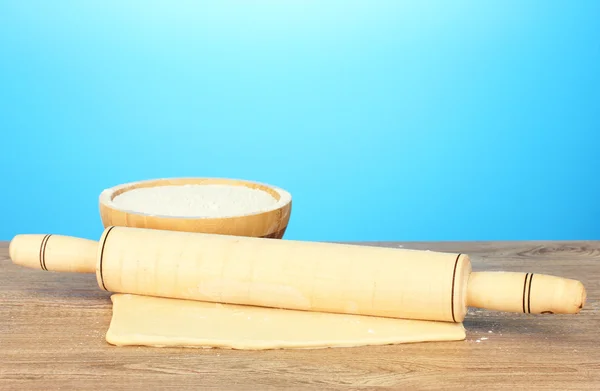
x=195 y=200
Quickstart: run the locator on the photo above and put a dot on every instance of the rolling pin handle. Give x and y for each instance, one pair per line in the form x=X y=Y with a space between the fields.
x=525 y=292
x=54 y=253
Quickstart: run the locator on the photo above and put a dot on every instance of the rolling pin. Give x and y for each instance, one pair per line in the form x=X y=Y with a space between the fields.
x=312 y=276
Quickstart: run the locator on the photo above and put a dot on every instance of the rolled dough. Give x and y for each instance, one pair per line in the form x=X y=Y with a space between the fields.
x=163 y=322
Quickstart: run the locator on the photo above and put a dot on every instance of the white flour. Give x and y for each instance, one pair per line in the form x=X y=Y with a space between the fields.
x=195 y=200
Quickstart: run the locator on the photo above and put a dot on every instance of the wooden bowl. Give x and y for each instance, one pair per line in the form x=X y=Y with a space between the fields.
x=271 y=223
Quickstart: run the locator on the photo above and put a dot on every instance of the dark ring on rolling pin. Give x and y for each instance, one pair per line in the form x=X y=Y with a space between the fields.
x=524 y=290
x=102 y=255
x=43 y=252
x=41 y=247
x=453 y=280
x=529 y=295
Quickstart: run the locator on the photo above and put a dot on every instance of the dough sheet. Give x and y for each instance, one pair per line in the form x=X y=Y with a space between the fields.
x=163 y=322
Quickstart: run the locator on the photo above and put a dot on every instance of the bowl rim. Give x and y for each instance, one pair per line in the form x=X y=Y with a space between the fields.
x=107 y=195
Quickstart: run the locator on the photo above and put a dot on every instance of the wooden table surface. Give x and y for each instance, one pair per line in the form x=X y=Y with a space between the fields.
x=52 y=328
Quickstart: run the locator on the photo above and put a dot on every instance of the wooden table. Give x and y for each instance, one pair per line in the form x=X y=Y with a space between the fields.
x=52 y=328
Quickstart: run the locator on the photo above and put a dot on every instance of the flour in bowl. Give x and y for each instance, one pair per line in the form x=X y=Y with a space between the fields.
x=195 y=200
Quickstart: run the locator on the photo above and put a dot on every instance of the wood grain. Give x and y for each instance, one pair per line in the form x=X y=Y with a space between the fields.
x=52 y=328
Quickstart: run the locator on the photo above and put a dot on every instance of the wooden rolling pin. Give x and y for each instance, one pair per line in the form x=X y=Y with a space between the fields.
x=312 y=276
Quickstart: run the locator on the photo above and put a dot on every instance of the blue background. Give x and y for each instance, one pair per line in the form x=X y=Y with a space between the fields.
x=386 y=120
